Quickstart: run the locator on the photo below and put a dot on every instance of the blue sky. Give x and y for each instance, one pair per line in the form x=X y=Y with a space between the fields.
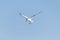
x=46 y=26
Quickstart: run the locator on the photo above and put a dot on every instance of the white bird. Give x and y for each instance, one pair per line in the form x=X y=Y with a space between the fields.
x=29 y=19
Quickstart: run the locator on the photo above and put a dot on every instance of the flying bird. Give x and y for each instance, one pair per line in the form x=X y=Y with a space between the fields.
x=29 y=19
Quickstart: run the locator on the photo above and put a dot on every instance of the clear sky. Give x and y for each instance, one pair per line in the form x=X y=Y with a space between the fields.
x=46 y=26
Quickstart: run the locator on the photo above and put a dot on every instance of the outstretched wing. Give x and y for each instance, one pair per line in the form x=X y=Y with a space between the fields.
x=36 y=14
x=23 y=15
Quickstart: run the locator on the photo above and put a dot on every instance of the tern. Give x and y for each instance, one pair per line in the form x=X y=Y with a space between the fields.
x=29 y=19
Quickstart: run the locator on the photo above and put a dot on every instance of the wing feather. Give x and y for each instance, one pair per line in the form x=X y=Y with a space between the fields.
x=23 y=15
x=36 y=14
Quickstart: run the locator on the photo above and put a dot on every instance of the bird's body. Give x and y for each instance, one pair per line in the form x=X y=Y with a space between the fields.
x=29 y=20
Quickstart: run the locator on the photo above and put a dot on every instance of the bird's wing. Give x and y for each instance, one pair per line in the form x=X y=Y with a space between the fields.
x=36 y=14
x=23 y=15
